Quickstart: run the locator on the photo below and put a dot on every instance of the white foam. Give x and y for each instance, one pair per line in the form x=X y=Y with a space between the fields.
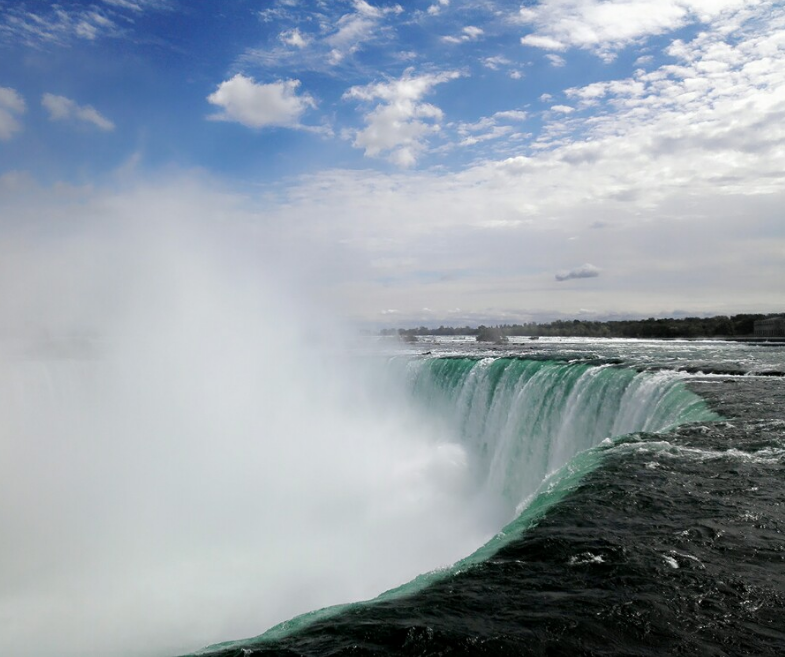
x=670 y=561
x=585 y=558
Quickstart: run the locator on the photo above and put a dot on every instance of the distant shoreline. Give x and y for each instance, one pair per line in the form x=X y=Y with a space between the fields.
x=739 y=328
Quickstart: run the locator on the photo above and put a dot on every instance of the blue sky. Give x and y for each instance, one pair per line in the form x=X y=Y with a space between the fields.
x=433 y=161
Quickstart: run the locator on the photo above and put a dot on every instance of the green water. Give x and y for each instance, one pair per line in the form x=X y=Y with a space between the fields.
x=532 y=430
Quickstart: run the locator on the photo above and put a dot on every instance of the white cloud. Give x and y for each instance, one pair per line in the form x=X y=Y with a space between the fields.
x=57 y=25
x=399 y=125
x=556 y=60
x=503 y=232
x=62 y=23
x=496 y=62
x=333 y=36
x=12 y=105
x=511 y=115
x=260 y=105
x=468 y=33
x=437 y=7
x=584 y=271
x=355 y=29
x=563 y=109
x=125 y=4
x=682 y=164
x=487 y=128
x=494 y=132
x=139 y=5
x=295 y=38
x=545 y=42
x=605 y=26
x=592 y=94
x=61 y=108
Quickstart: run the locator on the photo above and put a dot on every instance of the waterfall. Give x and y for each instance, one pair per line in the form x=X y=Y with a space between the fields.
x=523 y=419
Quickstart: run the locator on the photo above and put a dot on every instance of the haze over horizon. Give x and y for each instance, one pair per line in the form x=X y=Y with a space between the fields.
x=428 y=162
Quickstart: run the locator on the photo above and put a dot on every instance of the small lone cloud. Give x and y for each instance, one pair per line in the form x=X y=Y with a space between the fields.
x=584 y=271
x=556 y=60
x=260 y=105
x=61 y=108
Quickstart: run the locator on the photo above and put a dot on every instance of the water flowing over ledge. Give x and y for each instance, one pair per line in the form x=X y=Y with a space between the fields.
x=528 y=428
x=523 y=419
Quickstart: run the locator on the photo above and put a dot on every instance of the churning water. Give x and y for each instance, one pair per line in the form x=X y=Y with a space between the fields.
x=665 y=539
x=194 y=468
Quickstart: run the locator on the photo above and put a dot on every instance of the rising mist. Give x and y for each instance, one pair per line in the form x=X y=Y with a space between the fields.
x=187 y=452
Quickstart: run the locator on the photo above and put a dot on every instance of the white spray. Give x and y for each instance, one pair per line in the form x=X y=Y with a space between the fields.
x=184 y=458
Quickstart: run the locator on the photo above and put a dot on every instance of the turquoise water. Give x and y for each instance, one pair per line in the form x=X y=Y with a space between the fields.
x=532 y=430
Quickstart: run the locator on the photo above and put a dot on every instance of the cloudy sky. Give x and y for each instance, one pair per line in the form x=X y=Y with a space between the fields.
x=430 y=161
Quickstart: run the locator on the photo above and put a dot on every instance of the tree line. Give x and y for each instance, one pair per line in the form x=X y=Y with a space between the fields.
x=720 y=326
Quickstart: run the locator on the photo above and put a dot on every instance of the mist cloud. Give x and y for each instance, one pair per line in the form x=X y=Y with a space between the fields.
x=189 y=453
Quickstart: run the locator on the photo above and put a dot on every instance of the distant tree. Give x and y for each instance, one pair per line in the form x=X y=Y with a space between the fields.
x=664 y=328
x=745 y=324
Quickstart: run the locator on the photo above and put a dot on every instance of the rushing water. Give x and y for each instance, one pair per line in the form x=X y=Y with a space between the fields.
x=648 y=497
x=551 y=497
x=523 y=419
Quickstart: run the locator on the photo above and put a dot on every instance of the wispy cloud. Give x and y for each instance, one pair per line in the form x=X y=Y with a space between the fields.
x=139 y=5
x=496 y=62
x=12 y=106
x=321 y=37
x=61 y=24
x=488 y=128
x=468 y=33
x=356 y=28
x=57 y=25
x=61 y=108
x=556 y=60
x=257 y=105
x=499 y=62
